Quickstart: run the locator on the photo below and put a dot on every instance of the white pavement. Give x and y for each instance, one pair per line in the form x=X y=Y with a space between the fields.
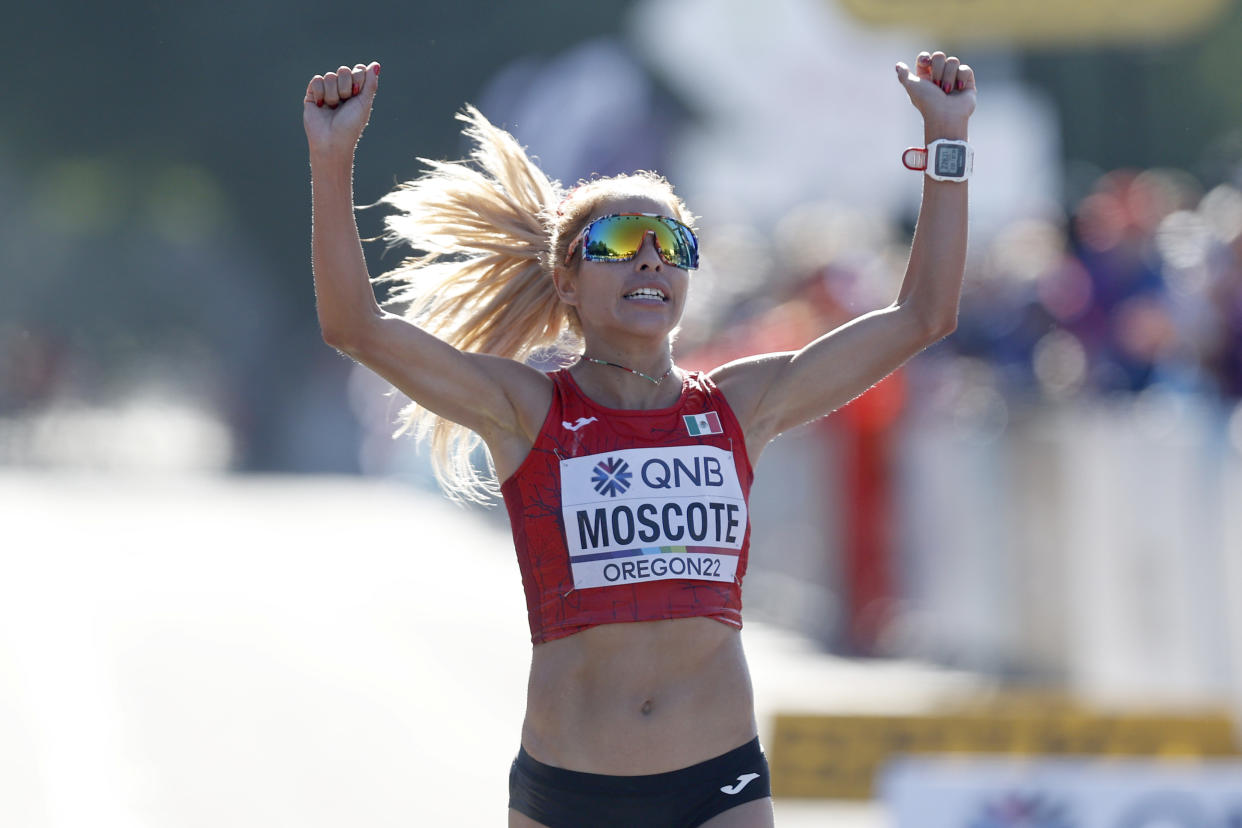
x=232 y=651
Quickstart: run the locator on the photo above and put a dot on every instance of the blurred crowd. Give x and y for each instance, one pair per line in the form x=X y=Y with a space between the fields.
x=1140 y=286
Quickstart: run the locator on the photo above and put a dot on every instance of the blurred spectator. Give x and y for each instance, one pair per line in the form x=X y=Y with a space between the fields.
x=1141 y=286
x=1142 y=290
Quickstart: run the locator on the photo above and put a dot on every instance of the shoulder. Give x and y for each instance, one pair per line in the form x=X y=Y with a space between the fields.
x=744 y=384
x=744 y=381
x=703 y=393
x=703 y=384
x=529 y=390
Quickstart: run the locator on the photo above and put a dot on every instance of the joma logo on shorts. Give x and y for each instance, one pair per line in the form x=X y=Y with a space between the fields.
x=742 y=781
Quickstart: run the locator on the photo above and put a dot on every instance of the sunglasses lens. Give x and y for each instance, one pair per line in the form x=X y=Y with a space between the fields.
x=619 y=238
x=678 y=245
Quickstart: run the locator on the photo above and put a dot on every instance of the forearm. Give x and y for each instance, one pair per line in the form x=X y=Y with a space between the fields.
x=343 y=294
x=933 y=280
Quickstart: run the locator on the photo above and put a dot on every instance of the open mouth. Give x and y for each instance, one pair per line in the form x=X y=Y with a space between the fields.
x=647 y=294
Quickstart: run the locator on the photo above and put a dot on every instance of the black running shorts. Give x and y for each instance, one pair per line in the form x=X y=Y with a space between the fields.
x=683 y=798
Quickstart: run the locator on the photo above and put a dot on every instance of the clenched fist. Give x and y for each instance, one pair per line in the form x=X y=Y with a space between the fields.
x=337 y=106
x=942 y=89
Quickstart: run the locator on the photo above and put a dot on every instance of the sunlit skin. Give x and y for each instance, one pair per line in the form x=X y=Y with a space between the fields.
x=633 y=332
x=636 y=698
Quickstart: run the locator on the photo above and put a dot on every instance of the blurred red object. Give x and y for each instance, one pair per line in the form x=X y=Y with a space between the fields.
x=863 y=428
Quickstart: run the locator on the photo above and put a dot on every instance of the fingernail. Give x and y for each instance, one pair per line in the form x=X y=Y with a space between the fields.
x=377 y=70
x=947 y=87
x=319 y=103
x=355 y=92
x=961 y=85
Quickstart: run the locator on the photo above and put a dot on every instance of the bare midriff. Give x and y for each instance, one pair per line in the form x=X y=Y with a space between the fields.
x=638 y=698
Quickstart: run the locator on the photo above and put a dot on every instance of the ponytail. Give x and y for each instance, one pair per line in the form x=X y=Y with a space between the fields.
x=486 y=232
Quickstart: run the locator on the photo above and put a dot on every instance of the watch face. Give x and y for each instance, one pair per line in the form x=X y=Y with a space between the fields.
x=951 y=160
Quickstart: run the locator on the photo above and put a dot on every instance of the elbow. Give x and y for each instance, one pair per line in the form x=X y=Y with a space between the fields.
x=941 y=326
x=344 y=338
x=333 y=337
x=348 y=330
x=932 y=325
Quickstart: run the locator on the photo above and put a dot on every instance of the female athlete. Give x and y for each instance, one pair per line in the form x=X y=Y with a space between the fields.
x=625 y=477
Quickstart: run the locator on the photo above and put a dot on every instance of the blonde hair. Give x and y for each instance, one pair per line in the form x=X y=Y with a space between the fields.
x=491 y=231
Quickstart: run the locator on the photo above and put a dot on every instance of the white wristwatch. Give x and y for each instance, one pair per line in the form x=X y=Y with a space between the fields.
x=949 y=160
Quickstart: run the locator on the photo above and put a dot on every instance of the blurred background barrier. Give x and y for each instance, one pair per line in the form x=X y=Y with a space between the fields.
x=1041 y=22
x=845 y=756
x=924 y=793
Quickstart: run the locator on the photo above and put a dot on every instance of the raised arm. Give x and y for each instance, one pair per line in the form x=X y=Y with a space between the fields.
x=501 y=399
x=336 y=108
x=771 y=393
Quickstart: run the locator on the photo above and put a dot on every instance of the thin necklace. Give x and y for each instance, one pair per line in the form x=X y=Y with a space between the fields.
x=654 y=380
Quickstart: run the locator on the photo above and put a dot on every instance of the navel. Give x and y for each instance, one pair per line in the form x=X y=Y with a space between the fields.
x=647 y=707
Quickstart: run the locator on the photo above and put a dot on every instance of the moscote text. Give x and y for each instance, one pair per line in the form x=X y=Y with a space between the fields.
x=712 y=522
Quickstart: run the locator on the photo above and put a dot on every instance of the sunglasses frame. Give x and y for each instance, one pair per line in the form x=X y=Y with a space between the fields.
x=581 y=238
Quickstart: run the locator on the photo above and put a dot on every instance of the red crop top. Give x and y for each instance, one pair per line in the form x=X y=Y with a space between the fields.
x=632 y=515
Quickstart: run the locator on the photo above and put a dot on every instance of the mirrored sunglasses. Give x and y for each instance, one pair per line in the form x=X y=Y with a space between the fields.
x=619 y=237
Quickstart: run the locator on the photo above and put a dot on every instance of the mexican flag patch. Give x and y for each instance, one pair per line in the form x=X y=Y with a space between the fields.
x=698 y=424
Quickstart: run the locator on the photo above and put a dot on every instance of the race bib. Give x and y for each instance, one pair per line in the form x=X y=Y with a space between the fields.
x=649 y=514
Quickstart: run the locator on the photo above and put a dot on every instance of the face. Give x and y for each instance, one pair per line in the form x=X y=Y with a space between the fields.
x=644 y=297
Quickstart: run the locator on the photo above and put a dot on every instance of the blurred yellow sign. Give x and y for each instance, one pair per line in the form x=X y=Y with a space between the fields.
x=837 y=757
x=1041 y=22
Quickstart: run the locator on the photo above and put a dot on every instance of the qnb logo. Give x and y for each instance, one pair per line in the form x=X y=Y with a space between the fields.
x=612 y=477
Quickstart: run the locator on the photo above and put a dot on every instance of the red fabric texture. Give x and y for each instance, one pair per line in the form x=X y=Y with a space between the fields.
x=532 y=496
